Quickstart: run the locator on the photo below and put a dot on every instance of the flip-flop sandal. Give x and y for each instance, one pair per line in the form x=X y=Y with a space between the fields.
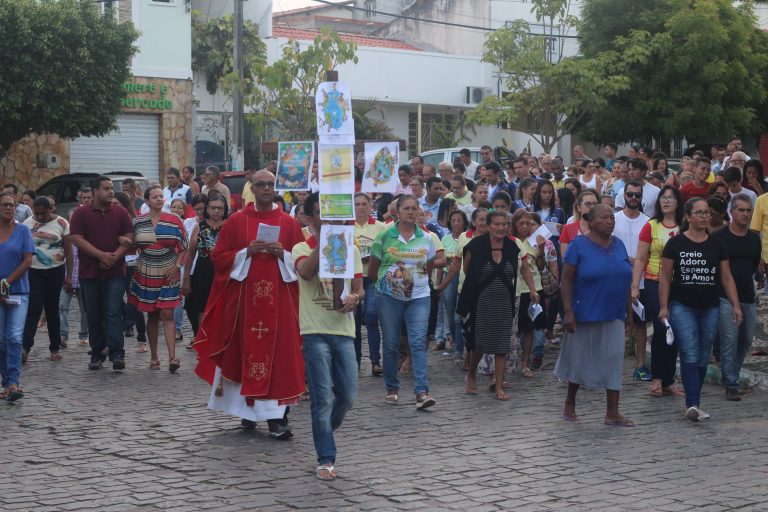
x=471 y=390
x=391 y=398
x=502 y=396
x=673 y=391
x=141 y=348
x=326 y=472
x=154 y=365
x=13 y=394
x=527 y=373
x=56 y=357
x=174 y=364
x=570 y=418
x=622 y=422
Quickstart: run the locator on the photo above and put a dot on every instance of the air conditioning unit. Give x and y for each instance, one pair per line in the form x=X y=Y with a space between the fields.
x=476 y=94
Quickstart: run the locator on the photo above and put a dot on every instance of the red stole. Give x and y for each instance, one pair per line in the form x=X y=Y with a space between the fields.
x=250 y=329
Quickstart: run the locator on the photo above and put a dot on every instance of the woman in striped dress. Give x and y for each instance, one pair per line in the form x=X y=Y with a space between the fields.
x=162 y=245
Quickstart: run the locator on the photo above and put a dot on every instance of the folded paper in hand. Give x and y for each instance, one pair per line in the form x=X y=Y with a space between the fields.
x=534 y=310
x=639 y=310
x=543 y=231
x=670 y=334
x=268 y=233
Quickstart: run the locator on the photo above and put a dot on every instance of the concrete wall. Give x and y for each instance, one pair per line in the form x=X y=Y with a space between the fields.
x=442 y=38
x=165 y=44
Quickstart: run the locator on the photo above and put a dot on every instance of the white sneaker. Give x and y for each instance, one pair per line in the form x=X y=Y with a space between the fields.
x=692 y=413
x=703 y=415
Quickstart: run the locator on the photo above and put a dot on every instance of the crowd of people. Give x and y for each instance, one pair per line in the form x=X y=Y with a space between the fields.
x=475 y=259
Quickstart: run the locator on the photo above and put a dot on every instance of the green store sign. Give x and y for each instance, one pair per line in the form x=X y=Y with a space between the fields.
x=130 y=101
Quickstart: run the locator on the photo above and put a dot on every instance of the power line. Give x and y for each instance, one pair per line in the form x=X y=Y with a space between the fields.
x=436 y=22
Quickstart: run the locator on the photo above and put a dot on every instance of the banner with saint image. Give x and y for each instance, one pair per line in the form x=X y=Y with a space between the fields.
x=337 y=182
x=381 y=163
x=294 y=166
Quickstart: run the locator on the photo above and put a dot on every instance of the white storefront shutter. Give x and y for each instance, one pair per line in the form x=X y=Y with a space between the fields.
x=134 y=146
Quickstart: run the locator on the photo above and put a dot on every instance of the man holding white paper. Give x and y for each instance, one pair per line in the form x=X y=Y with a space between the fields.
x=248 y=344
x=629 y=222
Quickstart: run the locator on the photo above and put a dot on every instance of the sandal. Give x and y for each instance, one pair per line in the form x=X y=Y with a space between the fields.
x=190 y=345
x=174 y=364
x=141 y=347
x=391 y=398
x=84 y=342
x=154 y=364
x=376 y=370
x=655 y=389
x=621 y=421
x=471 y=389
x=13 y=393
x=502 y=396
x=570 y=417
x=527 y=373
x=326 y=472
x=673 y=391
x=64 y=343
x=55 y=356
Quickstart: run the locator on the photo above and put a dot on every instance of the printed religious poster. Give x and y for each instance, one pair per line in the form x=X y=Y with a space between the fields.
x=337 y=252
x=381 y=162
x=294 y=166
x=333 y=107
x=337 y=182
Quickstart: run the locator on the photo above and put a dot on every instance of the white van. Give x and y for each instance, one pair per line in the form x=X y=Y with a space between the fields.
x=435 y=156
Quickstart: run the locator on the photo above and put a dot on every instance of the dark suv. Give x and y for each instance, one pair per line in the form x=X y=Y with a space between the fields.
x=64 y=188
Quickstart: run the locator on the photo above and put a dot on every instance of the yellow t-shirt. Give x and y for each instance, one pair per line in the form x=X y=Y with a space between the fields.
x=316 y=313
x=438 y=245
x=526 y=249
x=460 y=201
x=364 y=237
x=247 y=194
x=760 y=223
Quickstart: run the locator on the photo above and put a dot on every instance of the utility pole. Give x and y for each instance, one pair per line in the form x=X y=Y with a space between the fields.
x=237 y=97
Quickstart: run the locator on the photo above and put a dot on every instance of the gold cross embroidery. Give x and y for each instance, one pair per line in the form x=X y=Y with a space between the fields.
x=261 y=329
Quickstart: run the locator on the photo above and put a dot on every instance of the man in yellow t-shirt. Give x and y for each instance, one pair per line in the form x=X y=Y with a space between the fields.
x=328 y=340
x=247 y=193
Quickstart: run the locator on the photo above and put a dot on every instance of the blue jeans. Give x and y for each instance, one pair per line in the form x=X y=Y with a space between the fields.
x=414 y=314
x=331 y=370
x=178 y=315
x=539 y=340
x=735 y=341
x=448 y=299
x=103 y=300
x=12 y=320
x=372 y=321
x=65 y=300
x=694 y=331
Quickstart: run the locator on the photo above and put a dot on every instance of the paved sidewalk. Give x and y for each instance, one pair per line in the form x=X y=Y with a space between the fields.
x=144 y=440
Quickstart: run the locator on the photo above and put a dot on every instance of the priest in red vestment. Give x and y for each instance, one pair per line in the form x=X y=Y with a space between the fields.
x=248 y=344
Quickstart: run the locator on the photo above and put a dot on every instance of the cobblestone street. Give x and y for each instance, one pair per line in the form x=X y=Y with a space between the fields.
x=144 y=440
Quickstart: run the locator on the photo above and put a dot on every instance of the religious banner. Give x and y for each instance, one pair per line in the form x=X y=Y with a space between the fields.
x=337 y=252
x=294 y=166
x=336 y=181
x=381 y=162
x=333 y=107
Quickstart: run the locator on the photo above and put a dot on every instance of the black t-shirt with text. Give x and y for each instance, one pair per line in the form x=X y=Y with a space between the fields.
x=744 y=258
x=696 y=271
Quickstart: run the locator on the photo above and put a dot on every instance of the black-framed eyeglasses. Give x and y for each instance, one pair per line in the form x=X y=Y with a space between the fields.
x=264 y=184
x=636 y=195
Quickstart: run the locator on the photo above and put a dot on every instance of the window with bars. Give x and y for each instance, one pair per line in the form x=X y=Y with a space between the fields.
x=370 y=8
x=437 y=131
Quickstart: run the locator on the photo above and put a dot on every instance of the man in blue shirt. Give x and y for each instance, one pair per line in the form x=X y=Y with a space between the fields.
x=430 y=203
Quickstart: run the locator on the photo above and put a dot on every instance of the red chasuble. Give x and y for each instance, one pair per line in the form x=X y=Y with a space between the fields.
x=250 y=329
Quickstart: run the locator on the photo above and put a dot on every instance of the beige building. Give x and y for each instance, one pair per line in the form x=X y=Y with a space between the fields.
x=154 y=128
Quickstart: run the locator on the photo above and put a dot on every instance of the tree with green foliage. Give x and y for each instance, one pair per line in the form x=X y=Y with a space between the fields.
x=285 y=96
x=546 y=93
x=368 y=127
x=62 y=66
x=696 y=69
x=212 y=52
